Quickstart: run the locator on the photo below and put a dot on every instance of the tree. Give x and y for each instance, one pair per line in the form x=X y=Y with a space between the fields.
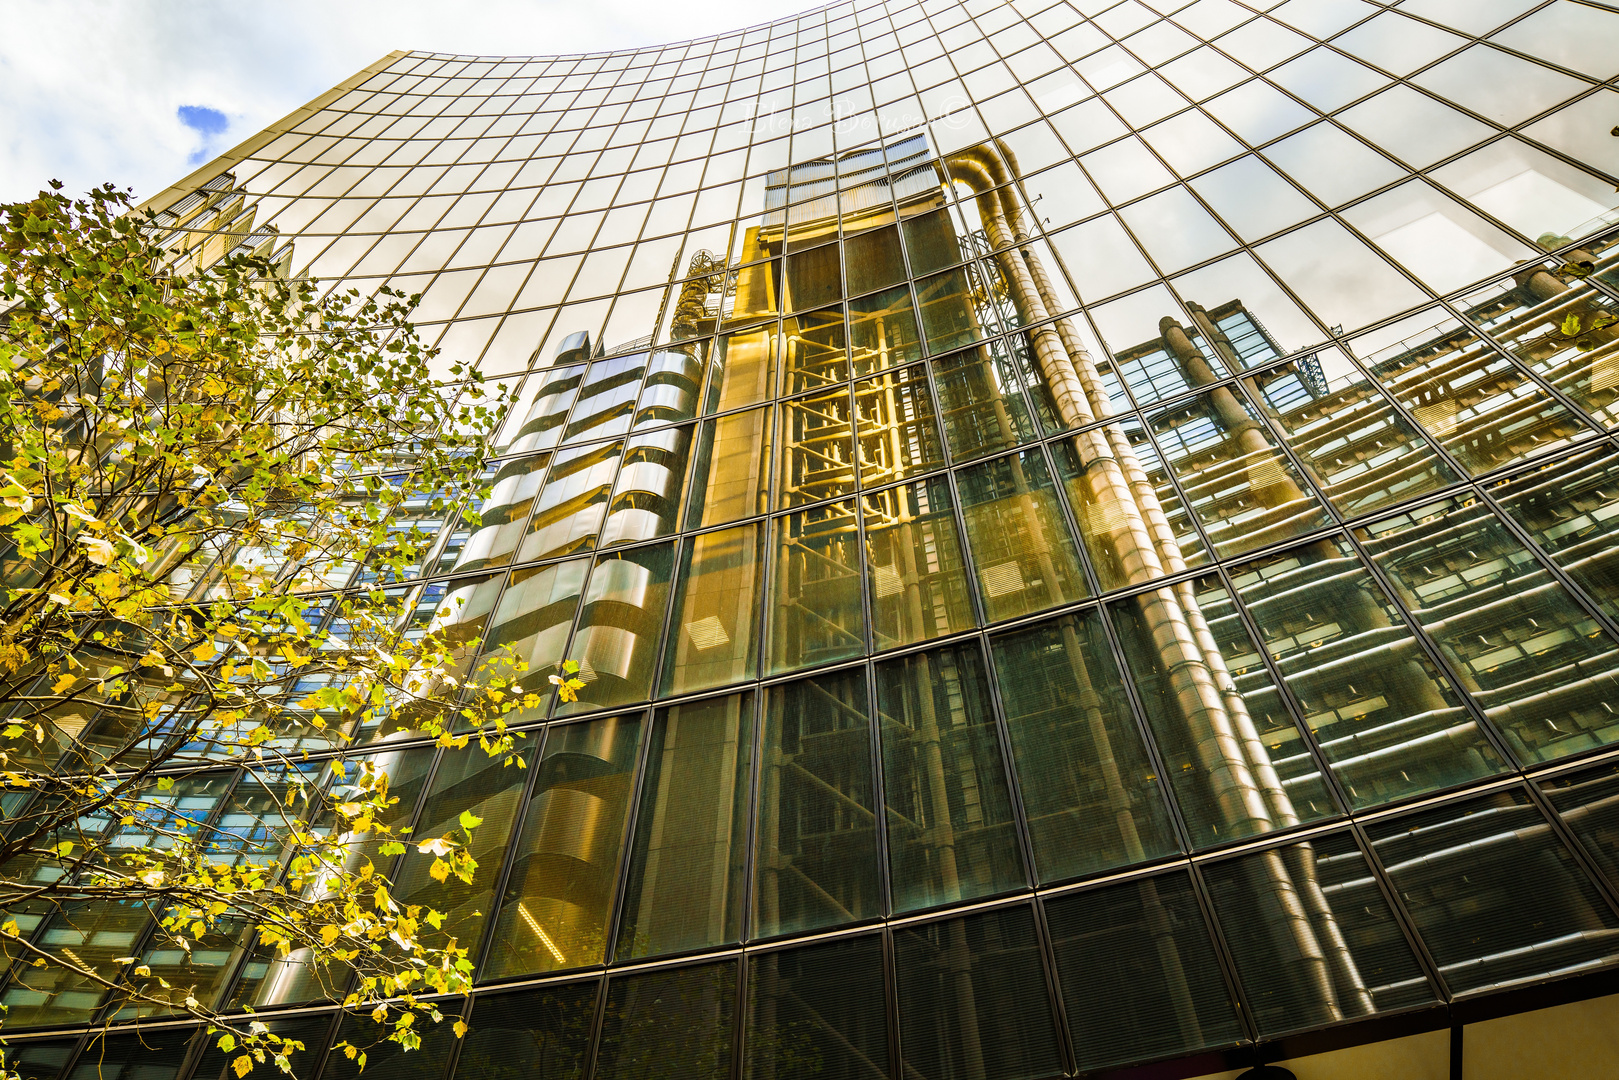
x=192 y=460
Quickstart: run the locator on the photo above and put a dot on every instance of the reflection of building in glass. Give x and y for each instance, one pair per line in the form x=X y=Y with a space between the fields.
x=1088 y=530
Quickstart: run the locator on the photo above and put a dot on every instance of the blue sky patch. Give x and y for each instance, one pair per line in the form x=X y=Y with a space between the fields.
x=205 y=122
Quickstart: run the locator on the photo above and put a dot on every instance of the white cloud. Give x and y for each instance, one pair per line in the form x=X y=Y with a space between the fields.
x=91 y=88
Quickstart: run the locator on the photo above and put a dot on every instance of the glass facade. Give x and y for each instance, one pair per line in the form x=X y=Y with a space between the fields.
x=1088 y=528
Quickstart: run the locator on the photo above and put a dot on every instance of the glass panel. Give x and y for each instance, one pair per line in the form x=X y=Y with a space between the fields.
x=898 y=430
x=814 y=277
x=646 y=495
x=684 y=888
x=1567 y=34
x=1469 y=16
x=1105 y=473
x=1191 y=142
x=270 y=979
x=674 y=377
x=743 y=370
x=817 y=835
x=1176 y=230
x=1494 y=893
x=1015 y=353
x=882 y=331
x=504 y=513
x=930 y=240
x=1388 y=723
x=149 y=1055
x=616 y=644
x=251 y=829
x=569 y=510
x=1100 y=257
x=713 y=640
x=1588 y=802
x=873 y=260
x=425 y=1062
x=1090 y=792
x=950 y=831
x=817 y=449
x=739 y=445
x=814 y=353
x=1244 y=490
x=757 y=293
x=1469 y=397
x=466 y=780
x=1025 y=557
x=1531 y=191
x=981 y=407
x=817 y=615
x=1541 y=668
x=532 y=622
x=542 y=1033
x=1413 y=126
x=1434 y=237
x=949 y=315
x=214 y=1064
x=674 y=1022
x=607 y=398
x=560 y=892
x=1136 y=328
x=97 y=934
x=972 y=999
x=1123 y=170
x=40 y=1059
x=1567 y=507
x=913 y=556
x=1327 y=79
x=818 y=1011
x=555 y=397
x=1237 y=760
x=1504 y=88
x=1356 y=447
x=1313 y=938
x=1342 y=280
x=1253 y=198
x=1258 y=112
x=1568 y=334
x=1139 y=975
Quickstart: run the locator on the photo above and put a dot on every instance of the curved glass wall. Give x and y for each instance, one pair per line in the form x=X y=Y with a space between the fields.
x=1099 y=463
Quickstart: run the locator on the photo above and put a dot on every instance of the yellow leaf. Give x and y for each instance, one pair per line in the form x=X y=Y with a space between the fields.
x=99 y=551
x=204 y=652
x=460 y=1028
x=12 y=657
x=243 y=1065
x=329 y=934
x=440 y=870
x=61 y=685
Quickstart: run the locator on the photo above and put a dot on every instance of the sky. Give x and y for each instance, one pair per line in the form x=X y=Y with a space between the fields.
x=140 y=92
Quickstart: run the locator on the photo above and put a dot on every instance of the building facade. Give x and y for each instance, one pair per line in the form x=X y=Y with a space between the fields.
x=1088 y=529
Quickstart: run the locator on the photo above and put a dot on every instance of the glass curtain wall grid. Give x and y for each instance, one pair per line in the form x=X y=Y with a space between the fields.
x=1088 y=529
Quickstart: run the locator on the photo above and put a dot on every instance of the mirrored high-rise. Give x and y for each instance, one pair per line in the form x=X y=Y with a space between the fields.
x=1089 y=531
